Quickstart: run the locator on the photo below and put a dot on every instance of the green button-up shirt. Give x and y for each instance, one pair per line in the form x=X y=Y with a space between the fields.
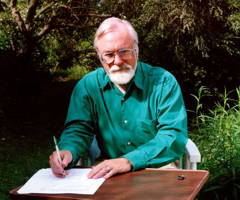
x=147 y=125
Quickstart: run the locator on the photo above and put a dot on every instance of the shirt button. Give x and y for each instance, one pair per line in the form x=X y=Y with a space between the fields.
x=129 y=143
x=125 y=121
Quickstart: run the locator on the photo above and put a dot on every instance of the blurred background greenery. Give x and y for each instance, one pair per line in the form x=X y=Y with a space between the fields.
x=46 y=46
x=216 y=133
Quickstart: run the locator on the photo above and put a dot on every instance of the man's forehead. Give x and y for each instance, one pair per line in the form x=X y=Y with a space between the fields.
x=118 y=39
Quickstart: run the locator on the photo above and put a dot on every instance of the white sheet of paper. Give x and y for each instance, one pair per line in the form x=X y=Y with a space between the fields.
x=43 y=181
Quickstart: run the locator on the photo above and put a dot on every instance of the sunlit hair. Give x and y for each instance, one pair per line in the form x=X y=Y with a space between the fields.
x=110 y=24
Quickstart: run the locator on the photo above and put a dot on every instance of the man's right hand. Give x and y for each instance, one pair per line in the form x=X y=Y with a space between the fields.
x=58 y=168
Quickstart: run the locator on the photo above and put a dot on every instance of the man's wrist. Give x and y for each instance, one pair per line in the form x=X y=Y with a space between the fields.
x=128 y=163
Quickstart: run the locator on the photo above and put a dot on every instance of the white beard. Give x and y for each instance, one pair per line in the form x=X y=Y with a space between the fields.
x=121 y=77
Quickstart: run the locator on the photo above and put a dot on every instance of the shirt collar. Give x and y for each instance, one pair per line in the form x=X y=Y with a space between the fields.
x=105 y=80
x=138 y=78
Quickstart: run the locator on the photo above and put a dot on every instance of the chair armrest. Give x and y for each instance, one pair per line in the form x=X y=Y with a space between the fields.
x=193 y=155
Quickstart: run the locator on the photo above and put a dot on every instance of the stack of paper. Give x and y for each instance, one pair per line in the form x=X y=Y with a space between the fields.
x=43 y=181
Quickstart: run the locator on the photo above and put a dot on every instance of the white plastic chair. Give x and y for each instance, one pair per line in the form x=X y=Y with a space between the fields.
x=192 y=156
x=188 y=161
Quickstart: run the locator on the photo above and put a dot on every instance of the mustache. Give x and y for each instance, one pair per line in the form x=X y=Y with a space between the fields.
x=116 y=68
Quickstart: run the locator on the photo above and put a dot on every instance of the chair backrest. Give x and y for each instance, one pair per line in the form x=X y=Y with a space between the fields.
x=193 y=155
x=189 y=160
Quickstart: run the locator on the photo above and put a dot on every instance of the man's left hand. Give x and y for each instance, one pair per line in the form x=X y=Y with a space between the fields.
x=108 y=168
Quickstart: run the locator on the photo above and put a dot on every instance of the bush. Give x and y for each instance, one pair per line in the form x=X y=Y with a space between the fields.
x=191 y=39
x=73 y=73
x=3 y=40
x=217 y=135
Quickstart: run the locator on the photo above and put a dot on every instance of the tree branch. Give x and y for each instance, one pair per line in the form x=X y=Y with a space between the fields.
x=94 y=15
x=31 y=13
x=75 y=26
x=13 y=47
x=89 y=14
x=46 y=29
x=2 y=6
x=12 y=3
x=44 y=9
x=17 y=16
x=77 y=7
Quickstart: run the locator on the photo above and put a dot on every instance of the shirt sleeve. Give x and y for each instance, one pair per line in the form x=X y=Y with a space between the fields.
x=169 y=142
x=79 y=126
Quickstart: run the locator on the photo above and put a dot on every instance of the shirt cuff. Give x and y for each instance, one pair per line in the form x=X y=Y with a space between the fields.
x=137 y=158
x=75 y=156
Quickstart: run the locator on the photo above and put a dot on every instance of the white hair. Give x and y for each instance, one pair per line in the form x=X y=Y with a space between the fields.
x=110 y=24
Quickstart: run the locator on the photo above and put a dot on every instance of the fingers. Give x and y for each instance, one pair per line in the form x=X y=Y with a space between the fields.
x=66 y=159
x=109 y=173
x=101 y=171
x=108 y=168
x=57 y=167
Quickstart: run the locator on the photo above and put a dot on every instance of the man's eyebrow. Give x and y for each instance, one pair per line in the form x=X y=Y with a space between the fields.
x=108 y=52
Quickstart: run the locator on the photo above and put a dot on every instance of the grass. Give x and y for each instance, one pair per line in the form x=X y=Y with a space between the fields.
x=24 y=148
x=28 y=121
x=21 y=156
x=27 y=124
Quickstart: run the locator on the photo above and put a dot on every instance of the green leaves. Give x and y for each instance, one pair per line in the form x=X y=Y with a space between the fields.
x=217 y=134
x=192 y=39
x=3 y=41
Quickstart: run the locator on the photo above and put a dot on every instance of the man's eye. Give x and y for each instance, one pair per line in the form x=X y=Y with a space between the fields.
x=124 y=52
x=108 y=55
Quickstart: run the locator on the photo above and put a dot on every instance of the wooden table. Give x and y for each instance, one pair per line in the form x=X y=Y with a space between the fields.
x=145 y=184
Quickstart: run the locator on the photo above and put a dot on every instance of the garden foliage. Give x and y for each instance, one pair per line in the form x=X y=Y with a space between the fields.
x=196 y=40
x=217 y=134
x=47 y=33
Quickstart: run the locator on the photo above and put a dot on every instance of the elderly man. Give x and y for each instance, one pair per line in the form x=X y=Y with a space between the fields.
x=136 y=111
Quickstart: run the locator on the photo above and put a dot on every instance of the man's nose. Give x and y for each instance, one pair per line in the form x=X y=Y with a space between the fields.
x=118 y=60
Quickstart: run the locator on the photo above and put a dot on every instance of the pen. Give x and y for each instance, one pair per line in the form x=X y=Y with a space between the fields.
x=57 y=150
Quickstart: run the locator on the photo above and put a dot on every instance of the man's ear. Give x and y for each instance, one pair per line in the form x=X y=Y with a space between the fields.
x=98 y=53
